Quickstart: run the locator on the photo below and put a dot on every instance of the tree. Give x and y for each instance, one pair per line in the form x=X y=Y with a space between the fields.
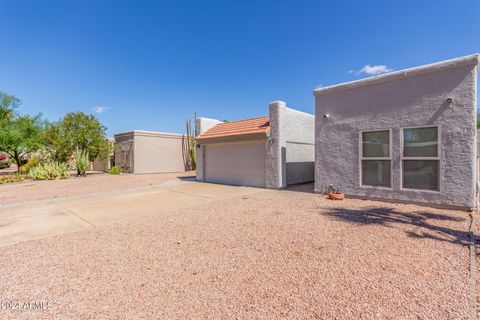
x=8 y=104
x=20 y=136
x=77 y=131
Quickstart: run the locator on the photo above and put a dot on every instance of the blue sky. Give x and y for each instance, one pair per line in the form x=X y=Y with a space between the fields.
x=150 y=64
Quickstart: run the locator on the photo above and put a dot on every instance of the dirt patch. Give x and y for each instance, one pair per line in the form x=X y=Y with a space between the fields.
x=271 y=255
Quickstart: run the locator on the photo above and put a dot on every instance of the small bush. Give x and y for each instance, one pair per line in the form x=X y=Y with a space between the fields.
x=82 y=162
x=34 y=161
x=50 y=171
x=5 y=164
x=12 y=178
x=114 y=170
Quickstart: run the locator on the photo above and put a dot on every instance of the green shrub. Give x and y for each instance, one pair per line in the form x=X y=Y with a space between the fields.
x=114 y=170
x=82 y=162
x=5 y=164
x=50 y=171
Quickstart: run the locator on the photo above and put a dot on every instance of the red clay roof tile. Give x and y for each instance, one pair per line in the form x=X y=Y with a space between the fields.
x=253 y=126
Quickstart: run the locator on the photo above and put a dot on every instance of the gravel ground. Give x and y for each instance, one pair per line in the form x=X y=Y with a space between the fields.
x=37 y=190
x=270 y=255
x=477 y=255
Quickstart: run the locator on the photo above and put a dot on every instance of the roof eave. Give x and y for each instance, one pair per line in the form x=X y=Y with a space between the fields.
x=234 y=138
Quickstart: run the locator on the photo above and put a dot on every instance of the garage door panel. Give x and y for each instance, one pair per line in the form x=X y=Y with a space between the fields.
x=236 y=163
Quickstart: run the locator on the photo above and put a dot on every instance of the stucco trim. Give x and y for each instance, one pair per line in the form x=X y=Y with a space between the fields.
x=473 y=59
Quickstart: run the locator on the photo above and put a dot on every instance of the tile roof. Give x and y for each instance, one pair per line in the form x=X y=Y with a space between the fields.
x=242 y=128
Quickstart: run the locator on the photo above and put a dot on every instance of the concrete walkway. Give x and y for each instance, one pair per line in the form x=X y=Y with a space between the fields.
x=46 y=218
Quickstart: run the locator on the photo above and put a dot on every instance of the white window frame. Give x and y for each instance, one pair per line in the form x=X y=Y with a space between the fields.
x=361 y=158
x=437 y=158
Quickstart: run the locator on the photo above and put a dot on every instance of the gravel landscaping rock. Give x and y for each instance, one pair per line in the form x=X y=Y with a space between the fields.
x=38 y=190
x=270 y=255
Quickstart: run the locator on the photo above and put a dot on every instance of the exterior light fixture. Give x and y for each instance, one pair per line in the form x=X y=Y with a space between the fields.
x=449 y=102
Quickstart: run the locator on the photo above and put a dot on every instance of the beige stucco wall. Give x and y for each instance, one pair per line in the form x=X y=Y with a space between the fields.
x=100 y=165
x=149 y=152
x=158 y=153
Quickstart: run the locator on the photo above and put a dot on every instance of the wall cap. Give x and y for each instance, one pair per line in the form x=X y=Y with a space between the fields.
x=149 y=133
x=278 y=103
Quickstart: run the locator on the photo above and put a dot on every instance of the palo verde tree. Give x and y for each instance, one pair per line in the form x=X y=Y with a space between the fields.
x=77 y=131
x=8 y=105
x=20 y=135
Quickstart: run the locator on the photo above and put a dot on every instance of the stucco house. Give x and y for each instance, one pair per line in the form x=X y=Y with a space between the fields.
x=140 y=151
x=268 y=152
x=406 y=136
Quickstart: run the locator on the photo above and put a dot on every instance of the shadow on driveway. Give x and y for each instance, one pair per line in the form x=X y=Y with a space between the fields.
x=391 y=218
x=187 y=178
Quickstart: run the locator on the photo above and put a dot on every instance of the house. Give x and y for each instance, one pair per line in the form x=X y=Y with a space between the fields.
x=272 y=151
x=406 y=136
x=140 y=151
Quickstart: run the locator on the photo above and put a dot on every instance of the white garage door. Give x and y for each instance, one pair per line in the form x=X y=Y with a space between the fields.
x=240 y=164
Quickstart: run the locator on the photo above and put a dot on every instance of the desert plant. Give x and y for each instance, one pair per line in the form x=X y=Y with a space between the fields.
x=114 y=170
x=82 y=162
x=34 y=161
x=12 y=178
x=38 y=173
x=8 y=105
x=189 y=145
x=50 y=171
x=77 y=130
x=20 y=136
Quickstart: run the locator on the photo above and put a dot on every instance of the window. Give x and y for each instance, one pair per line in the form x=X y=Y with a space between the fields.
x=420 y=158
x=376 y=158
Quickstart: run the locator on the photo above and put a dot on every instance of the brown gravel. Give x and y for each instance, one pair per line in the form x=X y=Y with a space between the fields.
x=38 y=190
x=477 y=255
x=270 y=255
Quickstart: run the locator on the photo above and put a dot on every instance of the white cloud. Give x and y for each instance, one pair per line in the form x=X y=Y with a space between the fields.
x=318 y=87
x=99 y=110
x=371 y=70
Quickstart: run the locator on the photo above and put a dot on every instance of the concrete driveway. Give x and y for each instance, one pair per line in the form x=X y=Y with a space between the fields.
x=46 y=218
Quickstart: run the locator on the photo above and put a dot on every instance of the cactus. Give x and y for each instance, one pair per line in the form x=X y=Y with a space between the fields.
x=189 y=144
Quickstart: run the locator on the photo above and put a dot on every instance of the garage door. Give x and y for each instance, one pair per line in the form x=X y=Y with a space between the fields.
x=240 y=164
